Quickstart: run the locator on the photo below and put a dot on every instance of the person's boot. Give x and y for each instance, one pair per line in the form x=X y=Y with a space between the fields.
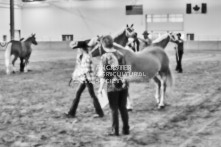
x=126 y=132
x=113 y=132
x=68 y=115
x=177 y=68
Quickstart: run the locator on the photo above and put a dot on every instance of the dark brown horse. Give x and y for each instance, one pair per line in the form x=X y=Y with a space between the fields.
x=19 y=49
x=119 y=38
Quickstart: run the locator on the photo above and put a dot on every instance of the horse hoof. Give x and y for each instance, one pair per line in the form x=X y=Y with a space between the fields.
x=161 y=107
x=129 y=109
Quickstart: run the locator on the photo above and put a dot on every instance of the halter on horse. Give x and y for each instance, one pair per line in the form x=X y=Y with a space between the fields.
x=153 y=62
x=21 y=49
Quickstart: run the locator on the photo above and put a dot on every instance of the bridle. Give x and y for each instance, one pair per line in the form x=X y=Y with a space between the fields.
x=129 y=32
x=172 y=38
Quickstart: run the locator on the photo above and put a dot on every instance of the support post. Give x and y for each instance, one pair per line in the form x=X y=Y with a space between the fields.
x=146 y=22
x=12 y=23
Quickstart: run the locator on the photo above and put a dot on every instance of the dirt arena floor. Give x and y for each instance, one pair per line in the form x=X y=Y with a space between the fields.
x=32 y=104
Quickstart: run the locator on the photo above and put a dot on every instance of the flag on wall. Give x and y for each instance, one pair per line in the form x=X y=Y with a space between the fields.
x=134 y=10
x=196 y=8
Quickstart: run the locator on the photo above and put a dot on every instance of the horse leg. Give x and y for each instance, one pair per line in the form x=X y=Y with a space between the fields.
x=26 y=65
x=158 y=85
x=22 y=65
x=162 y=91
x=8 y=65
x=129 y=102
x=13 y=63
x=8 y=58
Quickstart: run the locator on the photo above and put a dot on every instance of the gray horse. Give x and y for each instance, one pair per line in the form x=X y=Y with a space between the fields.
x=19 y=49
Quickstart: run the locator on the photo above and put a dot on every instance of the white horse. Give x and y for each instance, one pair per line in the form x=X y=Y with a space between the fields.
x=152 y=62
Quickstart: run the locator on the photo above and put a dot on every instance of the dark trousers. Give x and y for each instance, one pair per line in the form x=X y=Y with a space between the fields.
x=118 y=101
x=81 y=88
x=179 y=56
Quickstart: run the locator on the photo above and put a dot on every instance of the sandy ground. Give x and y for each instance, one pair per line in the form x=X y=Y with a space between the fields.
x=32 y=104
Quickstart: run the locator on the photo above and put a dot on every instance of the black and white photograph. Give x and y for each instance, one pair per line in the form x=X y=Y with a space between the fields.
x=110 y=73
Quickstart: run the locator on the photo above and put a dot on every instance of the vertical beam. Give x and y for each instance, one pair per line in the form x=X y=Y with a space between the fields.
x=146 y=22
x=12 y=23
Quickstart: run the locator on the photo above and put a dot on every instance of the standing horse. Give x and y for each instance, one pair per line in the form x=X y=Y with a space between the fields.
x=153 y=63
x=21 y=49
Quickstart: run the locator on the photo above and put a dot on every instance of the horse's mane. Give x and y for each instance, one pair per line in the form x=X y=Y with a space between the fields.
x=160 y=38
x=118 y=34
x=91 y=41
x=27 y=39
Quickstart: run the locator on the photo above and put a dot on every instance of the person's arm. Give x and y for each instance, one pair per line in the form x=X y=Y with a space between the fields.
x=149 y=42
x=141 y=39
x=101 y=74
x=102 y=82
x=174 y=41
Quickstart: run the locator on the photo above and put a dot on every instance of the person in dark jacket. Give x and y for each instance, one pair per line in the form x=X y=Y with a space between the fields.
x=117 y=87
x=179 y=53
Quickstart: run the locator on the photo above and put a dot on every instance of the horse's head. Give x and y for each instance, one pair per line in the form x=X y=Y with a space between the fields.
x=94 y=41
x=130 y=31
x=172 y=36
x=95 y=45
x=33 y=39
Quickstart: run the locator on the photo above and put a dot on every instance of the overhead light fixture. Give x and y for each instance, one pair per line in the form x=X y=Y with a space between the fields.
x=32 y=0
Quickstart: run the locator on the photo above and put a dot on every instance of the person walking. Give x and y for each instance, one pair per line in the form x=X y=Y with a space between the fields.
x=85 y=76
x=117 y=87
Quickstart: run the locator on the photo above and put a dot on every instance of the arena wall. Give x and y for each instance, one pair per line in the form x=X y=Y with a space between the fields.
x=85 y=19
x=188 y=45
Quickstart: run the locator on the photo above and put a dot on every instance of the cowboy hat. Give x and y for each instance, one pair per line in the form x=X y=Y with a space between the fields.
x=145 y=33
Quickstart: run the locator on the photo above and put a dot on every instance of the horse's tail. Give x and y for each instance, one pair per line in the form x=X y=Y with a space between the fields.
x=170 y=78
x=8 y=57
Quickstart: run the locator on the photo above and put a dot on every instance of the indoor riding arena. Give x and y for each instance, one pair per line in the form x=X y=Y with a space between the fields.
x=175 y=101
